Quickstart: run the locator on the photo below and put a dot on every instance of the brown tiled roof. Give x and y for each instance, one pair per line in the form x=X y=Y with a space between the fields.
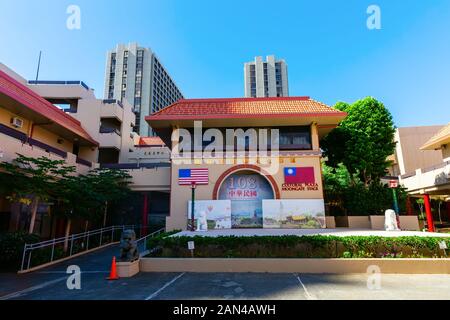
x=244 y=107
x=150 y=141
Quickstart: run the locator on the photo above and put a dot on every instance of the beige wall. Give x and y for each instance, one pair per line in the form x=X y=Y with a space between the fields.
x=180 y=195
x=408 y=153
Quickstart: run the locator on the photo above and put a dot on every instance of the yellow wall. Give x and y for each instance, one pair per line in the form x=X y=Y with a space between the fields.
x=39 y=132
x=47 y=137
x=5 y=119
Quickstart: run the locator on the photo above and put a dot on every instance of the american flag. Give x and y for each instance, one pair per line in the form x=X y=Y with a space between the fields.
x=188 y=176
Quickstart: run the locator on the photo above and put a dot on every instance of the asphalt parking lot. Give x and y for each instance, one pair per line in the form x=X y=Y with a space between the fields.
x=161 y=286
x=51 y=284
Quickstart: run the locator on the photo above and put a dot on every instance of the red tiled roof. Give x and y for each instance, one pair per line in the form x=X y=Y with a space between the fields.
x=31 y=100
x=150 y=141
x=244 y=108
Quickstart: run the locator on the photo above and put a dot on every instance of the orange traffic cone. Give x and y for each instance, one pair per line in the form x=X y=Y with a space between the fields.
x=113 y=274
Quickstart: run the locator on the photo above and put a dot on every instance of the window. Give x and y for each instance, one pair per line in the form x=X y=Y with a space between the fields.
x=295 y=138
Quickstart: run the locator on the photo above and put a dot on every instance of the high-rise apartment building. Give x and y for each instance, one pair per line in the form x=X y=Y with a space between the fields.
x=136 y=75
x=266 y=78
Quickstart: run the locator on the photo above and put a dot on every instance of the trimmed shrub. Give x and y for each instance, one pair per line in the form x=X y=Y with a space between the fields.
x=315 y=246
x=11 y=248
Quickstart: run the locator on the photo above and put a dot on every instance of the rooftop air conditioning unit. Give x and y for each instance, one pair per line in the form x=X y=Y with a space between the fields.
x=17 y=122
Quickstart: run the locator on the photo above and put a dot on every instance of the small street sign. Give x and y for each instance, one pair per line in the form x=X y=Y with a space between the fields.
x=393 y=183
x=442 y=245
x=191 y=245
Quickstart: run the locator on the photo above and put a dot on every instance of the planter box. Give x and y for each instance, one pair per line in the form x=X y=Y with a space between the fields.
x=127 y=269
x=341 y=222
x=358 y=222
x=353 y=222
x=409 y=223
x=336 y=266
x=330 y=222
x=377 y=222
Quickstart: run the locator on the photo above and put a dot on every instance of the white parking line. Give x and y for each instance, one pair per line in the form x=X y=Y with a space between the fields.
x=56 y=272
x=307 y=294
x=28 y=290
x=154 y=294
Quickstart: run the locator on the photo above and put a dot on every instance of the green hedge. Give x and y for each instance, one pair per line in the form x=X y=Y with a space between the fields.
x=11 y=248
x=315 y=246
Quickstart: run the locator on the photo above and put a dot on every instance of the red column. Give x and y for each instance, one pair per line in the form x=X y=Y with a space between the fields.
x=430 y=222
x=145 y=215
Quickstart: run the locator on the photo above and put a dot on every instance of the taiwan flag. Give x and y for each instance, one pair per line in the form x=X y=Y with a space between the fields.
x=299 y=175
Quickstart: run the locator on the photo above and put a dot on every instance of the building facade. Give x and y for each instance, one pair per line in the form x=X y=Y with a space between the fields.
x=266 y=78
x=408 y=156
x=432 y=182
x=243 y=189
x=33 y=127
x=110 y=122
x=135 y=74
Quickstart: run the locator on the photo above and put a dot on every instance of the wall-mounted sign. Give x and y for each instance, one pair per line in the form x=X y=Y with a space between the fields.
x=186 y=177
x=294 y=213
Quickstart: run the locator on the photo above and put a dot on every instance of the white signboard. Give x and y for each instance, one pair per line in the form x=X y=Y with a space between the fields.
x=218 y=213
x=191 y=245
x=442 y=245
x=294 y=214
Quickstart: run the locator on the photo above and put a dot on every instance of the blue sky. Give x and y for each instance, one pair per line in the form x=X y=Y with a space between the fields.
x=331 y=54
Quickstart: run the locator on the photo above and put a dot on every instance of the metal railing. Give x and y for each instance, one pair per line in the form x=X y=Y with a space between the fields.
x=143 y=241
x=53 y=249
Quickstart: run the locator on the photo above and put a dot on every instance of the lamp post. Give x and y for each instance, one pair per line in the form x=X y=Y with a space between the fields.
x=193 y=186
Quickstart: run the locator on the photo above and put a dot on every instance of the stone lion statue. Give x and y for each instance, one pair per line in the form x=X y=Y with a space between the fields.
x=128 y=246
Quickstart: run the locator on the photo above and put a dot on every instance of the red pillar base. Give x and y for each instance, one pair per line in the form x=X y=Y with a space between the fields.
x=430 y=222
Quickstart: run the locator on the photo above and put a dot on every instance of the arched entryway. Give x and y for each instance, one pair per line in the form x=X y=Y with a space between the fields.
x=245 y=188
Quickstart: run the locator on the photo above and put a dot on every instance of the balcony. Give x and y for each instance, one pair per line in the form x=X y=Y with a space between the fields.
x=111 y=109
x=110 y=138
x=427 y=180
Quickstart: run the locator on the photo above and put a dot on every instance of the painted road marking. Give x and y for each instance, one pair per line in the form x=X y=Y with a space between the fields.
x=307 y=294
x=31 y=289
x=56 y=272
x=154 y=294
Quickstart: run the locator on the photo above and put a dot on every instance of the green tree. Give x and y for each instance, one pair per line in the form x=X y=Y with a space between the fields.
x=363 y=140
x=110 y=185
x=87 y=196
x=32 y=180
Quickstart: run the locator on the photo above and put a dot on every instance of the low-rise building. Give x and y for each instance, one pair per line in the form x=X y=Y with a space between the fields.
x=110 y=122
x=32 y=126
x=427 y=173
x=273 y=172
